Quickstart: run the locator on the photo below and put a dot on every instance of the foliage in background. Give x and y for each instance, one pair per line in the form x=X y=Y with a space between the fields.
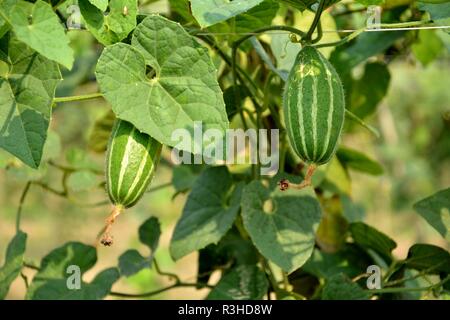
x=223 y=63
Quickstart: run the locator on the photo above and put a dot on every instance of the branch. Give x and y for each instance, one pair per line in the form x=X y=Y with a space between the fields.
x=21 y=202
x=78 y=98
x=315 y=22
x=155 y=292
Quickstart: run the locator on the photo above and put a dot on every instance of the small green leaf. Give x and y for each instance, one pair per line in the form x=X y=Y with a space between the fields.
x=208 y=214
x=232 y=104
x=281 y=224
x=370 y=238
x=149 y=233
x=245 y=282
x=13 y=262
x=208 y=13
x=131 y=262
x=429 y=258
x=428 y=47
x=113 y=27
x=39 y=27
x=436 y=211
x=51 y=281
x=358 y=161
x=181 y=88
x=340 y=287
x=368 y=91
x=26 y=95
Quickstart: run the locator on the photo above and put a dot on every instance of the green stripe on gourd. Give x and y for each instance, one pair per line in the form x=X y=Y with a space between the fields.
x=314 y=107
x=131 y=161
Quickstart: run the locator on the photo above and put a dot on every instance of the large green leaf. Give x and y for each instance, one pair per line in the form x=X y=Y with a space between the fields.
x=370 y=238
x=435 y=210
x=358 y=161
x=27 y=89
x=210 y=12
x=340 y=287
x=429 y=258
x=245 y=282
x=39 y=27
x=149 y=233
x=208 y=213
x=51 y=281
x=281 y=224
x=184 y=88
x=114 y=26
x=13 y=262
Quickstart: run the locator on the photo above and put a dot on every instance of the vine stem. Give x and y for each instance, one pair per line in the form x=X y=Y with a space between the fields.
x=159 y=187
x=358 y=120
x=78 y=98
x=315 y=22
x=353 y=35
x=394 y=290
x=21 y=202
x=234 y=49
x=158 y=291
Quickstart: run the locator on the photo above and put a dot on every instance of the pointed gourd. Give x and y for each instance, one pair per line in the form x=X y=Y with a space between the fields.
x=314 y=107
x=132 y=158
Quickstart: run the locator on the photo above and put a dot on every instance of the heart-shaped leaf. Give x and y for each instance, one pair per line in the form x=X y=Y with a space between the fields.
x=282 y=224
x=27 y=89
x=206 y=216
x=180 y=88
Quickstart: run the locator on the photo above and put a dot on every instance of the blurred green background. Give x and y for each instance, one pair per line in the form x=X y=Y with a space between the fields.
x=414 y=148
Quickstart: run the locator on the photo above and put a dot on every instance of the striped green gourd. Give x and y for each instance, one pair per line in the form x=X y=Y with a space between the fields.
x=314 y=107
x=132 y=157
